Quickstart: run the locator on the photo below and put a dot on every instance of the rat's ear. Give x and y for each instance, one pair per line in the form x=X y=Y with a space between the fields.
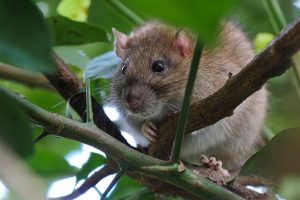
x=183 y=44
x=120 y=42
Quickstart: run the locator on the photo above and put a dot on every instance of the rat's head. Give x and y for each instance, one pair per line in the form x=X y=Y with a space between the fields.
x=152 y=74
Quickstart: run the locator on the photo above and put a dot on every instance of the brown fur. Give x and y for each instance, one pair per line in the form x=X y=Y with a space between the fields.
x=232 y=139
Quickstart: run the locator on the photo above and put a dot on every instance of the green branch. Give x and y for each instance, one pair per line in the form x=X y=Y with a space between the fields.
x=180 y=131
x=89 y=109
x=123 y=155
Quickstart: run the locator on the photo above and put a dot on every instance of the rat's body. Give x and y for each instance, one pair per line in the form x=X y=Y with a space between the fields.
x=150 y=84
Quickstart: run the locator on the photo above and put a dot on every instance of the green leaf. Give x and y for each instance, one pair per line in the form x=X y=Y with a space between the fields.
x=261 y=40
x=94 y=161
x=15 y=129
x=102 y=13
x=279 y=158
x=48 y=163
x=289 y=188
x=203 y=16
x=69 y=32
x=80 y=56
x=125 y=187
x=102 y=66
x=283 y=111
x=24 y=37
x=74 y=10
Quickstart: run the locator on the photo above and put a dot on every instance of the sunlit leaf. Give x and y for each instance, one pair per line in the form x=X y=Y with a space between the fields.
x=76 y=10
x=94 y=161
x=102 y=66
x=261 y=40
x=69 y=32
x=279 y=158
x=15 y=128
x=203 y=16
x=24 y=37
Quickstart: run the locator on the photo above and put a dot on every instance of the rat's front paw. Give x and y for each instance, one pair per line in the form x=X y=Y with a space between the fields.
x=149 y=131
x=215 y=165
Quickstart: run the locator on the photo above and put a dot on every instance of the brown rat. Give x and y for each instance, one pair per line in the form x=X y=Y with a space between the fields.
x=150 y=82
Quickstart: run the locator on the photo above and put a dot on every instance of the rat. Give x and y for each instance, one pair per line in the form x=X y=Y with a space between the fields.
x=150 y=81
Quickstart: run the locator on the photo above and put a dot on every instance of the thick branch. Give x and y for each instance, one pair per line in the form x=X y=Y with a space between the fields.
x=273 y=61
x=120 y=153
x=31 y=79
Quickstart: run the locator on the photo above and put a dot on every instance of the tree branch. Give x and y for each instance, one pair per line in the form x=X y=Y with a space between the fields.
x=196 y=185
x=31 y=79
x=271 y=62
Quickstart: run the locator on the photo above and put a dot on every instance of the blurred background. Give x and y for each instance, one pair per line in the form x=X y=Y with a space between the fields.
x=63 y=164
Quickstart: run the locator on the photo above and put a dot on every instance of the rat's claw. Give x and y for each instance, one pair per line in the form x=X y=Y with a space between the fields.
x=214 y=164
x=149 y=131
x=204 y=159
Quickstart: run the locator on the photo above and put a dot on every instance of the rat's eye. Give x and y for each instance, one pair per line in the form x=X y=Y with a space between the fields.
x=158 y=66
x=124 y=67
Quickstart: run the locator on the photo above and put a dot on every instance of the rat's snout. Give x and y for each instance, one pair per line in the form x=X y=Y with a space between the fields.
x=133 y=101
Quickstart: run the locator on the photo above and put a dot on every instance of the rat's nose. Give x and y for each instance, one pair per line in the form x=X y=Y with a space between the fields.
x=133 y=101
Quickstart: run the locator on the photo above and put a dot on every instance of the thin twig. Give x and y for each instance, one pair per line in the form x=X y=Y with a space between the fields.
x=40 y=137
x=113 y=183
x=89 y=183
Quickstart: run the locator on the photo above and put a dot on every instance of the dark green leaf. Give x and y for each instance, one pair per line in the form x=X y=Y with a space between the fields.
x=49 y=164
x=24 y=38
x=102 y=66
x=15 y=128
x=103 y=14
x=279 y=158
x=203 y=16
x=94 y=161
x=69 y=32
x=125 y=187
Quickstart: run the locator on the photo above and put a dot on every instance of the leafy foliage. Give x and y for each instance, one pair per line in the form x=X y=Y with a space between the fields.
x=277 y=159
x=15 y=130
x=49 y=164
x=103 y=14
x=68 y=32
x=192 y=15
x=24 y=26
